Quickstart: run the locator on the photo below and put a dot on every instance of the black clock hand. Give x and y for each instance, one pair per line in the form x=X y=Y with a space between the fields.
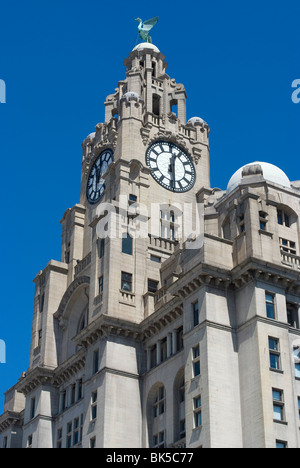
x=172 y=170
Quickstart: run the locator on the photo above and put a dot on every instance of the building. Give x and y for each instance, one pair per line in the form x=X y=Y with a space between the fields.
x=172 y=319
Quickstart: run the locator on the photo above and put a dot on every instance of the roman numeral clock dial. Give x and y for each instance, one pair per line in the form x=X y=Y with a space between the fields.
x=170 y=166
x=95 y=184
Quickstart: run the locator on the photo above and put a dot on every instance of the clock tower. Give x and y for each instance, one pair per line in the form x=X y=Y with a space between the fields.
x=143 y=172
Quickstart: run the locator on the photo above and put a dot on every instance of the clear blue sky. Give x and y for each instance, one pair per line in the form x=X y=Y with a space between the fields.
x=61 y=58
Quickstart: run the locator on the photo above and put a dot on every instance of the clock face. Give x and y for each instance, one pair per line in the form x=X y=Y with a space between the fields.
x=95 y=184
x=170 y=166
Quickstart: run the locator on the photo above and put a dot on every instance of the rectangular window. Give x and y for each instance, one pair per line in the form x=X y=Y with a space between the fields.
x=179 y=338
x=159 y=440
x=288 y=246
x=270 y=305
x=283 y=218
x=127 y=244
x=69 y=435
x=94 y=405
x=155 y=259
x=299 y=407
x=278 y=405
x=280 y=444
x=126 y=281
x=42 y=302
x=292 y=315
x=59 y=438
x=101 y=248
x=274 y=354
x=263 y=220
x=101 y=284
x=152 y=286
x=32 y=408
x=76 y=431
x=93 y=443
x=96 y=361
x=132 y=198
x=29 y=441
x=196 y=361
x=296 y=353
x=197 y=412
x=195 y=307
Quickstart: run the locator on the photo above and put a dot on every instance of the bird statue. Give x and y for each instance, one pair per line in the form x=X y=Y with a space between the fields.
x=145 y=27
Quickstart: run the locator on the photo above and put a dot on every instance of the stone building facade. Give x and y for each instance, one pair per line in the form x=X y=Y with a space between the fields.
x=172 y=319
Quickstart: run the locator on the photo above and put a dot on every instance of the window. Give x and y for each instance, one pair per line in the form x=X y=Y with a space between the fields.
x=77 y=430
x=159 y=440
x=163 y=349
x=94 y=405
x=182 y=428
x=288 y=246
x=280 y=444
x=42 y=302
x=274 y=353
x=29 y=441
x=59 y=438
x=132 y=198
x=195 y=307
x=4 y=444
x=263 y=221
x=73 y=394
x=101 y=248
x=153 y=356
x=167 y=224
x=196 y=360
x=156 y=104
x=80 y=389
x=278 y=405
x=292 y=315
x=159 y=402
x=101 y=282
x=179 y=340
x=270 y=305
x=283 y=219
x=96 y=361
x=93 y=442
x=241 y=223
x=69 y=435
x=296 y=353
x=197 y=412
x=126 y=281
x=152 y=286
x=32 y=408
x=299 y=407
x=127 y=243
x=155 y=259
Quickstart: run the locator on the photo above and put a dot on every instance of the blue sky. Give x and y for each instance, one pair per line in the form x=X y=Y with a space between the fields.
x=61 y=58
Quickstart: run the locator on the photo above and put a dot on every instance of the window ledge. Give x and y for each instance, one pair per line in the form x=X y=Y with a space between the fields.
x=285 y=423
x=277 y=371
x=266 y=233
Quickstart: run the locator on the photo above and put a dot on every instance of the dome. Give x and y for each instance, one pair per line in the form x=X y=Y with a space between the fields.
x=268 y=171
x=195 y=120
x=146 y=45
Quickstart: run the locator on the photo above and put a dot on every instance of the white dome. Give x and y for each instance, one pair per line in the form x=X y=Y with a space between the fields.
x=268 y=171
x=146 y=45
x=195 y=120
